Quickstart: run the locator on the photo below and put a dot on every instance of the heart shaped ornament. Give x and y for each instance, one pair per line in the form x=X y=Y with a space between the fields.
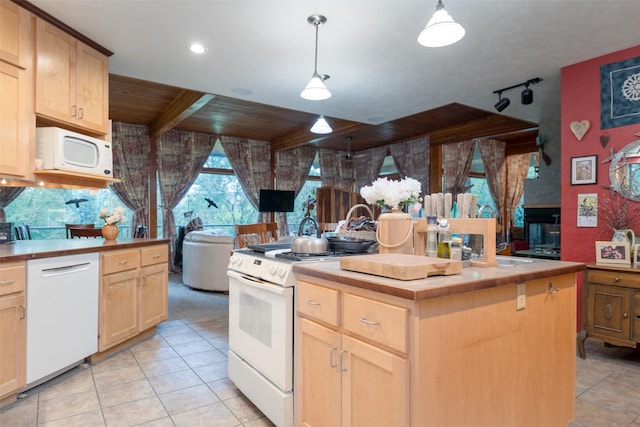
x=580 y=128
x=604 y=139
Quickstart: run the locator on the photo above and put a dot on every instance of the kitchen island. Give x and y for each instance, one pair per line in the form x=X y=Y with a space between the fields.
x=488 y=347
x=130 y=281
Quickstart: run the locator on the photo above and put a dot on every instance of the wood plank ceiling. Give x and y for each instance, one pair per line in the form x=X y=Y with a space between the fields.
x=163 y=107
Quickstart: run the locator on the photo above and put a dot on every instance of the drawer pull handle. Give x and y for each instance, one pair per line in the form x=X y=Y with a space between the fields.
x=369 y=322
x=73 y=111
x=341 y=358
x=331 y=351
x=7 y=282
x=551 y=290
x=123 y=262
x=311 y=302
x=625 y=315
x=156 y=256
x=617 y=279
x=80 y=113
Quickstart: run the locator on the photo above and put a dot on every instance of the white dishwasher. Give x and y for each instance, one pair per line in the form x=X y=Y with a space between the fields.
x=62 y=314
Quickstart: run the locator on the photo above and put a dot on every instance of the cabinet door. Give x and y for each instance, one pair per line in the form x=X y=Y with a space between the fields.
x=55 y=73
x=375 y=386
x=17 y=128
x=609 y=311
x=154 y=305
x=92 y=88
x=15 y=35
x=118 y=307
x=13 y=343
x=319 y=403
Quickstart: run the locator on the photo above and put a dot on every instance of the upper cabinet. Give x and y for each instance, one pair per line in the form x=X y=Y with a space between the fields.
x=72 y=81
x=17 y=121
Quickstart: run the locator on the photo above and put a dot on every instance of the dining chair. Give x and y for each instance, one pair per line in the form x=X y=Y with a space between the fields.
x=271 y=233
x=68 y=228
x=22 y=232
x=251 y=234
x=84 y=232
x=140 y=232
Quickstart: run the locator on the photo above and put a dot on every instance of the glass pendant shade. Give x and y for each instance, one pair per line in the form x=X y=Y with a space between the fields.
x=321 y=126
x=441 y=30
x=315 y=89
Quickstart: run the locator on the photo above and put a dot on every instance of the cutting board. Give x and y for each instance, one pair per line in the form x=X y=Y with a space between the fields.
x=401 y=266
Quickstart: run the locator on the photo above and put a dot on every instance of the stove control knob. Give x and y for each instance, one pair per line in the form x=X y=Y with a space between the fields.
x=282 y=271
x=273 y=270
x=236 y=261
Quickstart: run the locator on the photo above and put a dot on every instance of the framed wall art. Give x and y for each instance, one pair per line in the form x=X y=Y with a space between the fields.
x=584 y=170
x=620 y=93
x=613 y=252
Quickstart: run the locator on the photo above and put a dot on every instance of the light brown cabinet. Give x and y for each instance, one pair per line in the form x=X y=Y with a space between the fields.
x=17 y=122
x=611 y=306
x=133 y=293
x=13 y=332
x=347 y=376
x=366 y=358
x=72 y=81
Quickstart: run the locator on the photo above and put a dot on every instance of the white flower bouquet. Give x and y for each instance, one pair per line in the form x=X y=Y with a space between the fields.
x=388 y=193
x=117 y=216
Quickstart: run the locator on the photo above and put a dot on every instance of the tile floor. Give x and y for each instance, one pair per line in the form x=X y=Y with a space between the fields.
x=179 y=378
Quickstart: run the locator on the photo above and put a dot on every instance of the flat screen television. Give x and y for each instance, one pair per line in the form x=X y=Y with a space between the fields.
x=276 y=201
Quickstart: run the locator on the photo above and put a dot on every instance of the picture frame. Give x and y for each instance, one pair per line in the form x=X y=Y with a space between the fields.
x=608 y=252
x=584 y=170
x=636 y=255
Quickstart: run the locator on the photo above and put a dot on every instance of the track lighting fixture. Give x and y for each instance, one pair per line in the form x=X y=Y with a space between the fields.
x=441 y=30
x=526 y=97
x=315 y=89
x=348 y=156
x=502 y=102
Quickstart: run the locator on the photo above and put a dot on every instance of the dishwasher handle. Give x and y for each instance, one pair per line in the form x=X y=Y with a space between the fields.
x=65 y=269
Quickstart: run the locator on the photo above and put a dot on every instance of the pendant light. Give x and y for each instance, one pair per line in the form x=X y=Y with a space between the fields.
x=441 y=30
x=316 y=90
x=321 y=126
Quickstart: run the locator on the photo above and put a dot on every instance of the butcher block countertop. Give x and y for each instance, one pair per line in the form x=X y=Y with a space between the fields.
x=470 y=279
x=33 y=249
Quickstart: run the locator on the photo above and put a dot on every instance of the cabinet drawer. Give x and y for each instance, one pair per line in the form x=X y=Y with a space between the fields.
x=113 y=262
x=614 y=278
x=376 y=321
x=154 y=255
x=319 y=303
x=12 y=278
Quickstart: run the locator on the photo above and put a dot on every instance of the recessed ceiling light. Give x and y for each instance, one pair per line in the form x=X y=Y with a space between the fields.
x=196 y=48
x=240 y=91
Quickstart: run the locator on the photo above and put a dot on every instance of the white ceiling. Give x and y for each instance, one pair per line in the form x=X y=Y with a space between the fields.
x=378 y=70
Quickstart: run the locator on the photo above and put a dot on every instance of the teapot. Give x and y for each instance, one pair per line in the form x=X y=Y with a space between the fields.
x=309 y=244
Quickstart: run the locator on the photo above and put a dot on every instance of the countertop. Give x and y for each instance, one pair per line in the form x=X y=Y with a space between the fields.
x=471 y=278
x=32 y=249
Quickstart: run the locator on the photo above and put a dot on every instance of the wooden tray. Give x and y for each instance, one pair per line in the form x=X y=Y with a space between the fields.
x=401 y=266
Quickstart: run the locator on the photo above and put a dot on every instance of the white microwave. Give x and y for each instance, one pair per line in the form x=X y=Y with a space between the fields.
x=65 y=150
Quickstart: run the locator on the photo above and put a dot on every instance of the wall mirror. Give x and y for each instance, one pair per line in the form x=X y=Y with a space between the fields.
x=624 y=171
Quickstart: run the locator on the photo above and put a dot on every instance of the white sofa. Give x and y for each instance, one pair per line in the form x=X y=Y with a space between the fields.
x=205 y=257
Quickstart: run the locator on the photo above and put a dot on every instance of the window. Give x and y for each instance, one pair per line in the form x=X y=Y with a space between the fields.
x=47 y=210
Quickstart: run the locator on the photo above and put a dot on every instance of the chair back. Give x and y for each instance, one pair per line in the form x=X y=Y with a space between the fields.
x=141 y=232
x=84 y=232
x=22 y=232
x=251 y=234
x=68 y=228
x=272 y=232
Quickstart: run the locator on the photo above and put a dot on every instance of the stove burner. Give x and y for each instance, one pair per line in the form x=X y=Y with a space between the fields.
x=301 y=257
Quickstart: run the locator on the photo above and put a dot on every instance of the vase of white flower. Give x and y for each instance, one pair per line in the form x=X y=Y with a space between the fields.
x=394 y=229
x=110 y=228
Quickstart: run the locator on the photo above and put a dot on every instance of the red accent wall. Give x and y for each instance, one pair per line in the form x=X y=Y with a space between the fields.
x=580 y=100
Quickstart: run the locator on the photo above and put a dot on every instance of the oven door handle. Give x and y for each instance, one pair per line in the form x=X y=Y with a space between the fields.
x=255 y=283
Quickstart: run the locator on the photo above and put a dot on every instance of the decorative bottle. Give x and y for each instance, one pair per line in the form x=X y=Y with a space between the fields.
x=432 y=236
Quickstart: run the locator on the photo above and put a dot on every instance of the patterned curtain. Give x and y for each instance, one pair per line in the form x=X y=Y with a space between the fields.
x=456 y=164
x=292 y=169
x=131 y=146
x=493 y=157
x=335 y=169
x=8 y=195
x=367 y=165
x=180 y=157
x=251 y=162
x=412 y=159
x=517 y=171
